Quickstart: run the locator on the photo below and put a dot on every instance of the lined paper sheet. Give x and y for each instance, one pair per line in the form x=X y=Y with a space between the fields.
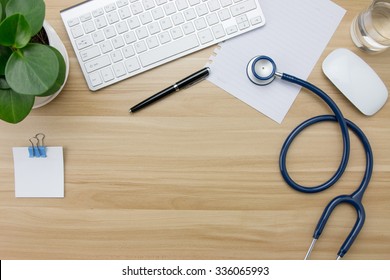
x=39 y=177
x=295 y=35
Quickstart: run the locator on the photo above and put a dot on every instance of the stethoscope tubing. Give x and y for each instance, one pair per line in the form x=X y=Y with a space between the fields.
x=355 y=198
x=344 y=132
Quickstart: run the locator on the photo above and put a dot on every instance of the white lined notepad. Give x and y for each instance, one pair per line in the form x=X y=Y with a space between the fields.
x=296 y=34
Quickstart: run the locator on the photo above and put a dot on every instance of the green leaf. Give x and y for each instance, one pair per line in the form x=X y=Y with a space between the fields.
x=33 y=10
x=3 y=83
x=3 y=4
x=15 y=32
x=32 y=70
x=61 y=74
x=14 y=107
x=5 y=53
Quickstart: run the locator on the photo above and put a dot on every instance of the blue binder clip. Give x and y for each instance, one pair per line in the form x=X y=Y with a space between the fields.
x=39 y=149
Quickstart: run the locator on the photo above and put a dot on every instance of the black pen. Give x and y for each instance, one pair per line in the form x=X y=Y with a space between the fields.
x=184 y=83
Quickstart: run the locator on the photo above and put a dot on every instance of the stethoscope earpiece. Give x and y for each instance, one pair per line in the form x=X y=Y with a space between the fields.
x=261 y=70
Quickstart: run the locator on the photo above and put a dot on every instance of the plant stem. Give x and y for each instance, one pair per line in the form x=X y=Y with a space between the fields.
x=18 y=52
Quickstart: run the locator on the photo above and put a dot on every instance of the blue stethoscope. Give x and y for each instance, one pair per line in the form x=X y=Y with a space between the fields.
x=261 y=70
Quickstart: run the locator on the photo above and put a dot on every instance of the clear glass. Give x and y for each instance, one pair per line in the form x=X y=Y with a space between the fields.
x=370 y=30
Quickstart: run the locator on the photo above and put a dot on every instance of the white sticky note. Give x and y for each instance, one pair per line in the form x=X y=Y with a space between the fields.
x=39 y=177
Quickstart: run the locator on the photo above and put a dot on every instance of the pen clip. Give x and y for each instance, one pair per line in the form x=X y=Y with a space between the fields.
x=192 y=79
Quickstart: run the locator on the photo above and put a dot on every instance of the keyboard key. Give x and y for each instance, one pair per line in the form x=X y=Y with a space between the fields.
x=119 y=69
x=130 y=37
x=168 y=50
x=86 y=17
x=124 y=13
x=181 y=5
x=154 y=28
x=140 y=46
x=90 y=53
x=201 y=10
x=256 y=20
x=73 y=22
x=176 y=33
x=164 y=37
x=157 y=13
x=141 y=32
x=241 y=18
x=226 y=3
x=169 y=8
x=133 y=22
x=148 y=4
x=200 y=23
x=121 y=27
x=109 y=32
x=98 y=36
x=128 y=51
x=106 y=47
x=160 y=2
x=205 y=36
x=190 y=14
x=110 y=7
x=101 y=22
x=152 y=42
x=89 y=27
x=212 y=19
x=224 y=14
x=97 y=63
x=145 y=18
x=112 y=17
x=166 y=23
x=121 y=3
x=107 y=74
x=188 y=28
x=132 y=64
x=116 y=56
x=231 y=29
x=136 y=8
x=118 y=42
x=218 y=31
x=98 y=12
x=95 y=79
x=177 y=19
x=194 y=2
x=213 y=5
x=84 y=42
x=243 y=7
x=77 y=31
x=243 y=25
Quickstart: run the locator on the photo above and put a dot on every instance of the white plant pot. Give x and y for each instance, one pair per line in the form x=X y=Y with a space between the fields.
x=54 y=41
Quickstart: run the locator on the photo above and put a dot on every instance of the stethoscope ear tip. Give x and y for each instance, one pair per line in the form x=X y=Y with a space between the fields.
x=261 y=70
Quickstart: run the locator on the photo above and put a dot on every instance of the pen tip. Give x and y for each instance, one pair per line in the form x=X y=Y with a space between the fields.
x=130 y=111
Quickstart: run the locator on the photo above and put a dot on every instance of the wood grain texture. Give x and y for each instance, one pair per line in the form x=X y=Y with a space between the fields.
x=196 y=175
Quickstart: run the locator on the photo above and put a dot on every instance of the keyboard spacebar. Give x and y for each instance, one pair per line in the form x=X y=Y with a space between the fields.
x=168 y=50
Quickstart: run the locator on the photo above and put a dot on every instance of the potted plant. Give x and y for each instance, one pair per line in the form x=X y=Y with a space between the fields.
x=29 y=69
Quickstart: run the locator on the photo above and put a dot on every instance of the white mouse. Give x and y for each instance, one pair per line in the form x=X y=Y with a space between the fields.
x=356 y=80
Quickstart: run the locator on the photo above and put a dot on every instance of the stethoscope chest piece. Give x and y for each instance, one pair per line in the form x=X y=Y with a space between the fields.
x=261 y=70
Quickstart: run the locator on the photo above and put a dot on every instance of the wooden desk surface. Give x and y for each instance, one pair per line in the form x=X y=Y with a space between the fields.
x=196 y=175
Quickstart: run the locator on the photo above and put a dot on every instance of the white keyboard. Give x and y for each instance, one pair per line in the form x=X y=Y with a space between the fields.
x=117 y=40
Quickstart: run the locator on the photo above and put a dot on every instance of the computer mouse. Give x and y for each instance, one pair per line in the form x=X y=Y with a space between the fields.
x=356 y=80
